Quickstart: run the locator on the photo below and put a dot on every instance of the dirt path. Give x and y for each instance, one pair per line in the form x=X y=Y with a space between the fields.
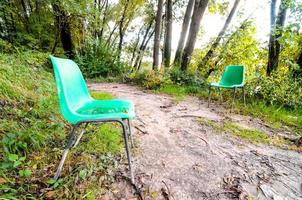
x=180 y=158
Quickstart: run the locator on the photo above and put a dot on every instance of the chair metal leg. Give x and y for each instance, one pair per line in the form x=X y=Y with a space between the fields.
x=243 y=95
x=233 y=97
x=209 y=96
x=80 y=135
x=220 y=95
x=130 y=133
x=127 y=150
x=69 y=144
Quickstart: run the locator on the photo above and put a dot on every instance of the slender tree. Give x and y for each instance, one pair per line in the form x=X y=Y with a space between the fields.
x=199 y=9
x=158 y=18
x=184 y=30
x=209 y=54
x=168 y=34
x=277 y=24
x=122 y=28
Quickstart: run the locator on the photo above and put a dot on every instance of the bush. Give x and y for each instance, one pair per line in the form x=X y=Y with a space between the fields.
x=277 y=90
x=98 y=60
x=182 y=78
x=149 y=80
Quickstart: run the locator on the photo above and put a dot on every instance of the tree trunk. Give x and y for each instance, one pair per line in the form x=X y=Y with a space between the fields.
x=209 y=54
x=275 y=34
x=184 y=30
x=137 y=50
x=142 y=51
x=64 y=29
x=143 y=45
x=104 y=20
x=300 y=60
x=122 y=29
x=168 y=34
x=156 y=65
x=199 y=9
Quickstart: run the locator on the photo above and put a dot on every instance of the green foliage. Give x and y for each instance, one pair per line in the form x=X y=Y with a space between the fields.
x=185 y=78
x=276 y=90
x=147 y=79
x=98 y=60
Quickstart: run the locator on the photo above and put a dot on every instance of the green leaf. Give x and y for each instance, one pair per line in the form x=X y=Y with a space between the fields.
x=12 y=157
x=25 y=173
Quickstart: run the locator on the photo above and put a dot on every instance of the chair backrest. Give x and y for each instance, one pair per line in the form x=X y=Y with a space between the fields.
x=233 y=75
x=71 y=86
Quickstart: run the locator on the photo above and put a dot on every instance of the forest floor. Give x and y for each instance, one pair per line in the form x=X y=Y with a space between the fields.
x=185 y=150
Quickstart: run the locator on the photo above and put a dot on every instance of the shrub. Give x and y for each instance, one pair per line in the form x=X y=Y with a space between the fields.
x=147 y=79
x=98 y=60
x=182 y=78
x=276 y=90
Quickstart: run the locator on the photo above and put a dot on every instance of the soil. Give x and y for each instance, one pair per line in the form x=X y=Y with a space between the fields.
x=177 y=157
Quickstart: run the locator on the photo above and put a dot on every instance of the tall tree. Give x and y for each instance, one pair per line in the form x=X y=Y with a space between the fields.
x=168 y=34
x=184 y=30
x=277 y=24
x=158 y=18
x=199 y=9
x=209 y=54
x=63 y=26
x=122 y=28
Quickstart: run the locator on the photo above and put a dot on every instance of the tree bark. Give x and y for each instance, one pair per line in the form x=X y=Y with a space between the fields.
x=142 y=51
x=158 y=18
x=209 y=54
x=300 y=60
x=277 y=24
x=64 y=29
x=122 y=29
x=168 y=34
x=104 y=20
x=184 y=30
x=199 y=9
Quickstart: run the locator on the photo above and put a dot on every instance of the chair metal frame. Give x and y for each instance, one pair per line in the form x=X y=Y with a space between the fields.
x=219 y=89
x=86 y=122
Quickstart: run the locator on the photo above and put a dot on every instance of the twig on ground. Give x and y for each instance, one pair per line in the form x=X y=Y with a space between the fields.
x=167 y=194
x=139 y=129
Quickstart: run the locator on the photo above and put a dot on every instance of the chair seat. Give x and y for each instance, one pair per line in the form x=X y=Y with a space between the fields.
x=225 y=86
x=103 y=109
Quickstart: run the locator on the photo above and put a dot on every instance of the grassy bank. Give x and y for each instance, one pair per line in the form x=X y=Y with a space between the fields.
x=33 y=135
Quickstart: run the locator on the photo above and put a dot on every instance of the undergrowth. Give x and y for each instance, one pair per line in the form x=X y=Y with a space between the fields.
x=33 y=135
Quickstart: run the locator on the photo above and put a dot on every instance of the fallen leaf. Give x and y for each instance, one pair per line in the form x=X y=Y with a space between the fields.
x=2 y=181
x=50 y=195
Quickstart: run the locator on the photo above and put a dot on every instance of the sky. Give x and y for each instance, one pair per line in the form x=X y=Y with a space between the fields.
x=211 y=24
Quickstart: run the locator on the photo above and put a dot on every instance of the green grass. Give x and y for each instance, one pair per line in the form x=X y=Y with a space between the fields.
x=276 y=117
x=33 y=134
x=181 y=91
x=251 y=135
x=101 y=95
x=248 y=134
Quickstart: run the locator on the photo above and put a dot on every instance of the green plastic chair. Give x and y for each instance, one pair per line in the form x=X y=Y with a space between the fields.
x=79 y=108
x=233 y=77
